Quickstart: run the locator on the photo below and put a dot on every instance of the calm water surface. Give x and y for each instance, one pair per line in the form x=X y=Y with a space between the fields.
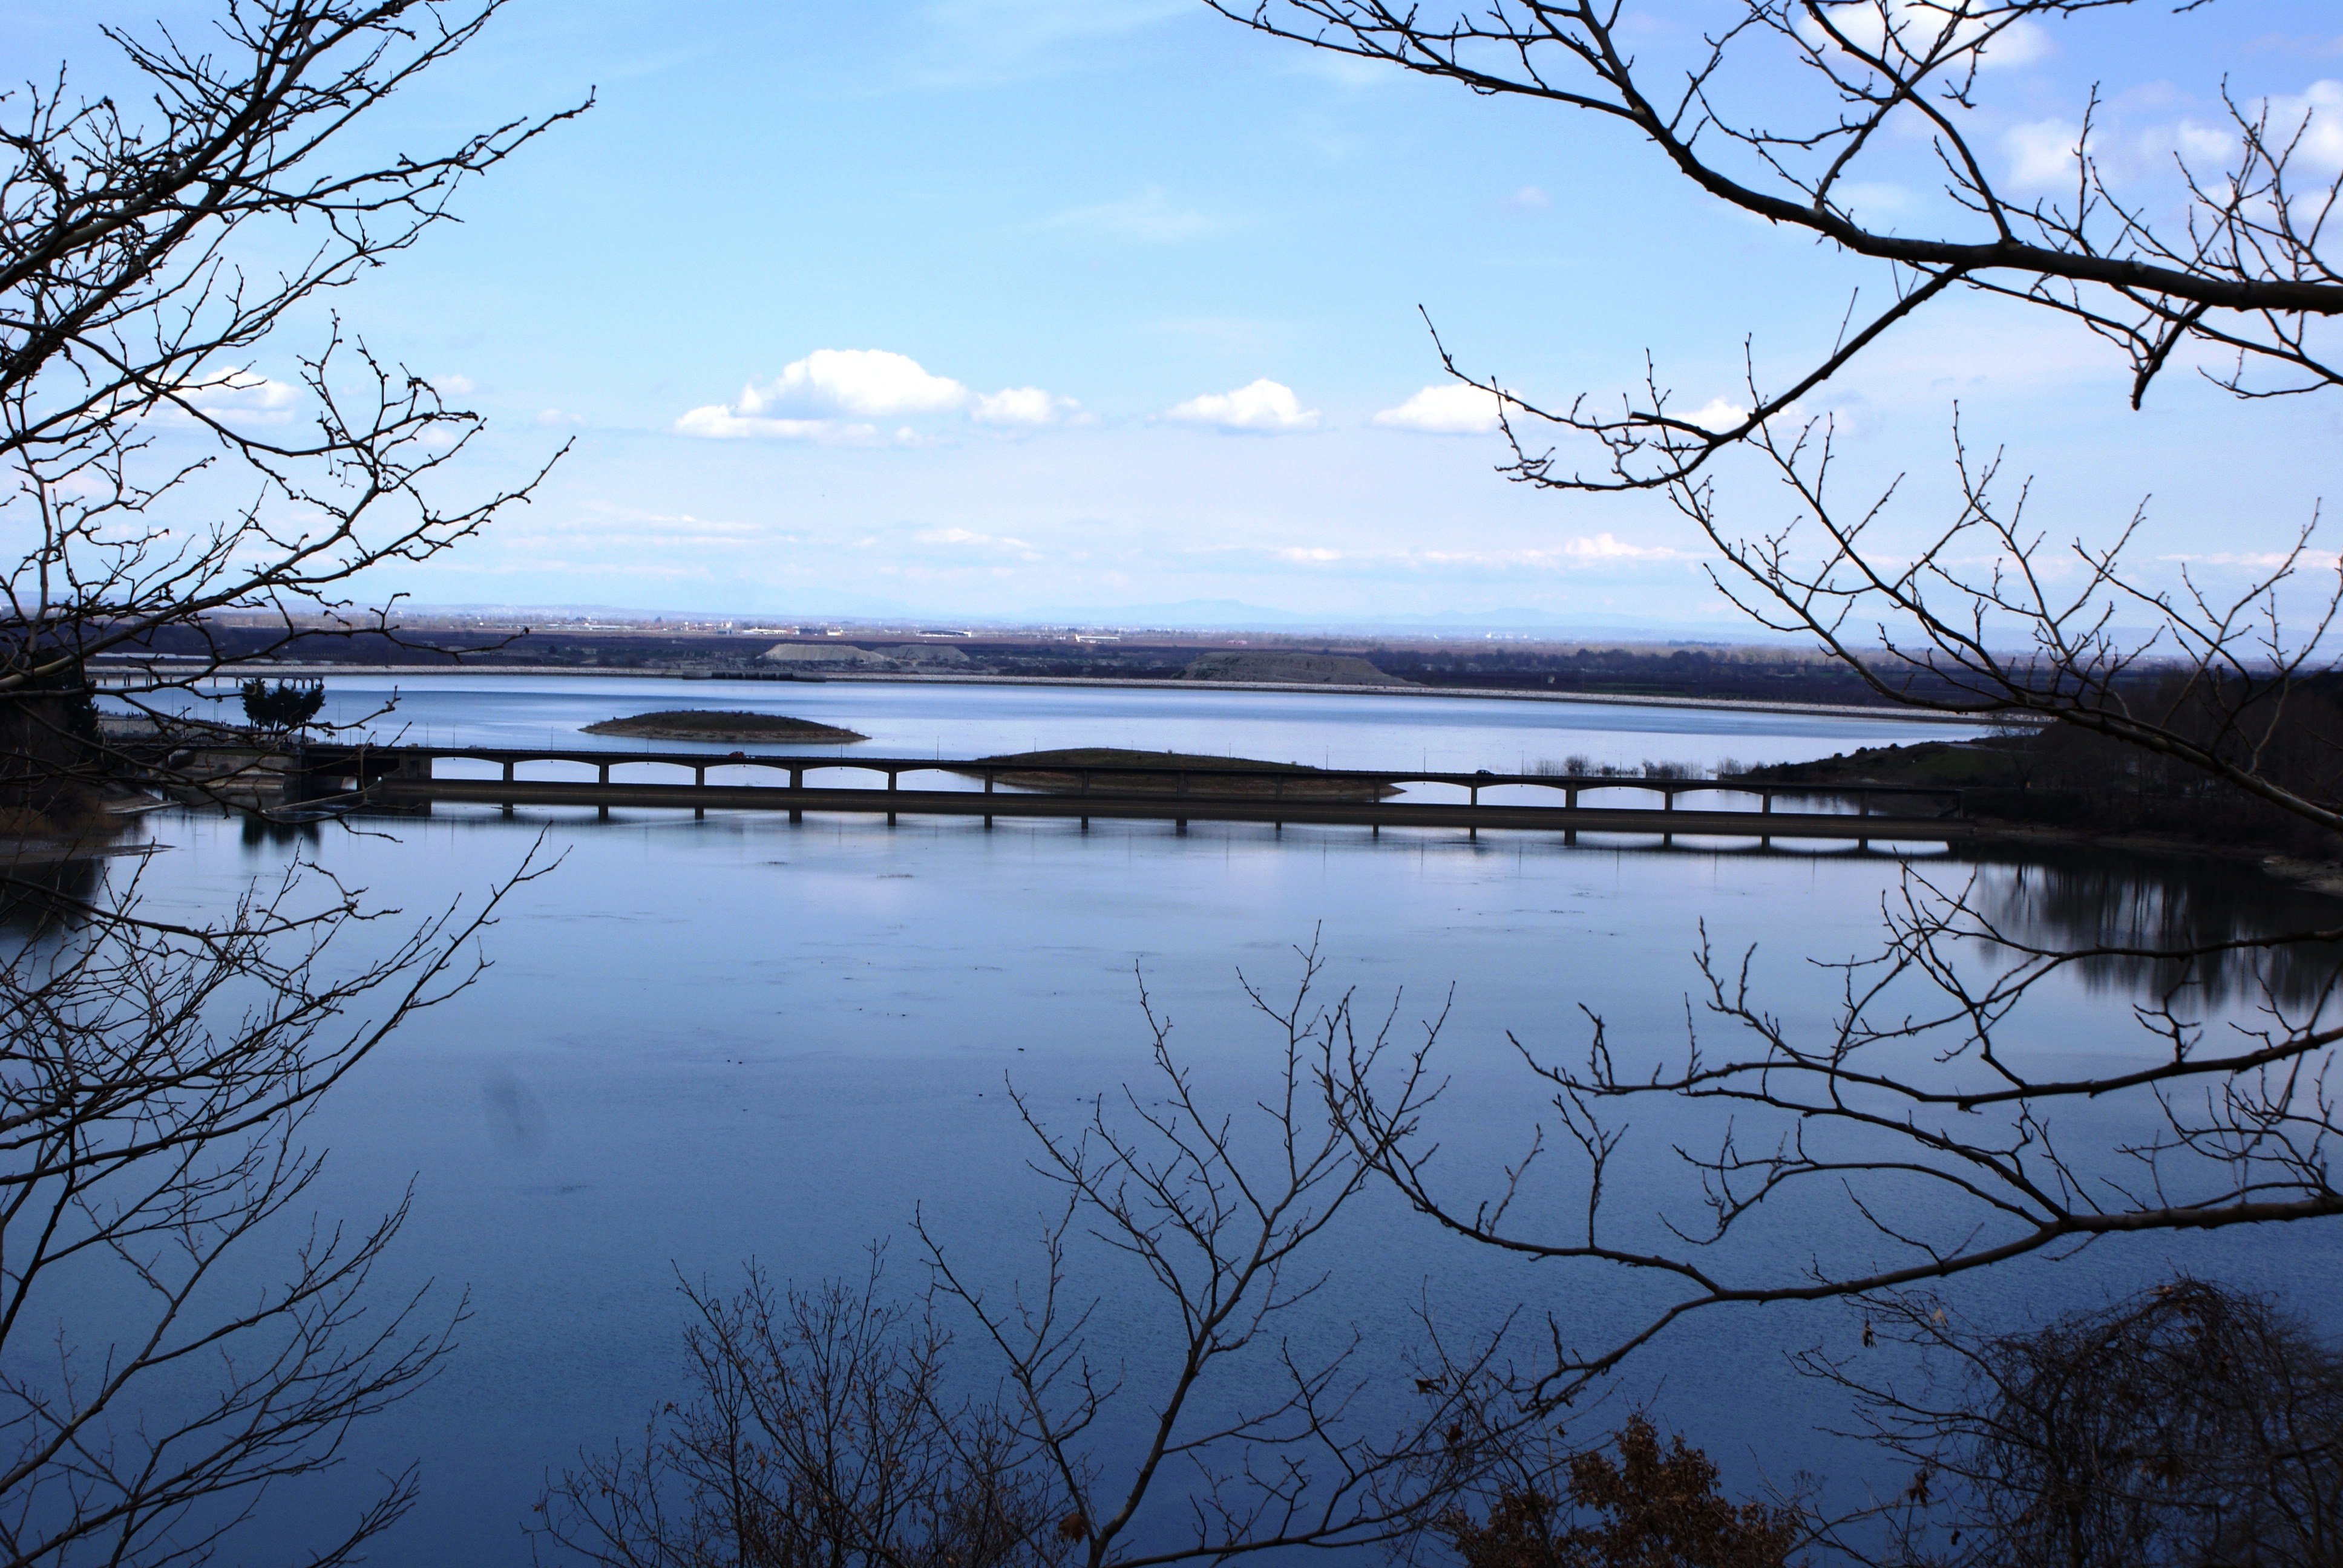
x=913 y=720
x=702 y=1041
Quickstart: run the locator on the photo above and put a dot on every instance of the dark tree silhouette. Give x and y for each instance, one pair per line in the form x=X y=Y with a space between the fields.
x=821 y=1427
x=285 y=706
x=1925 y=1131
x=1654 y=1505
x=157 y=1071
x=2189 y=1424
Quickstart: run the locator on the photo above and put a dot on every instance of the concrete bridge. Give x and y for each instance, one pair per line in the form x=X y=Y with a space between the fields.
x=406 y=777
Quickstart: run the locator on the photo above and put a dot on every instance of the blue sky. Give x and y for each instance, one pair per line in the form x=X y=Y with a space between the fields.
x=1016 y=309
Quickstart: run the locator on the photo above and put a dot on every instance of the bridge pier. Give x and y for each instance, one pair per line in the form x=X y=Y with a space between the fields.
x=700 y=782
x=509 y=778
x=797 y=781
x=602 y=813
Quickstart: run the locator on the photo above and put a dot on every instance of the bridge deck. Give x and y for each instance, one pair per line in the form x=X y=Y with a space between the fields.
x=415 y=764
x=1167 y=808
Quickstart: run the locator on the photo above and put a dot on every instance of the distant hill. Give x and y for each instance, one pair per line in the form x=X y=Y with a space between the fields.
x=1291 y=668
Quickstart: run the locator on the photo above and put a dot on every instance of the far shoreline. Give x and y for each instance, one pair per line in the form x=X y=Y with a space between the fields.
x=243 y=671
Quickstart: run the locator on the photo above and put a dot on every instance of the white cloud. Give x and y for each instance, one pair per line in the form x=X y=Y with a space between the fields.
x=558 y=417
x=969 y=539
x=1917 y=29
x=2206 y=144
x=832 y=394
x=1604 y=549
x=452 y=386
x=717 y=422
x=2318 y=113
x=1021 y=406
x=1530 y=199
x=2018 y=45
x=1454 y=409
x=865 y=383
x=2042 y=152
x=2259 y=560
x=1717 y=414
x=236 y=397
x=1264 y=405
x=240 y=392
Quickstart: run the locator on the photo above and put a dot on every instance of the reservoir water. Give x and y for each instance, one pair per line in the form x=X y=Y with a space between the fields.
x=704 y=1041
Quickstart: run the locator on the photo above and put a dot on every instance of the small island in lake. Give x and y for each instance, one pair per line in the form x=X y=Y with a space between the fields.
x=1158 y=773
x=701 y=724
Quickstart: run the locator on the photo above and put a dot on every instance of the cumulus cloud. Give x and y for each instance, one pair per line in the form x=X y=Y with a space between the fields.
x=1264 y=405
x=1918 y=28
x=243 y=396
x=452 y=386
x=833 y=395
x=2042 y=152
x=2318 y=114
x=864 y=383
x=2019 y=44
x=1605 y=550
x=1023 y=405
x=1718 y=414
x=1529 y=198
x=1452 y=409
x=2207 y=144
x=240 y=391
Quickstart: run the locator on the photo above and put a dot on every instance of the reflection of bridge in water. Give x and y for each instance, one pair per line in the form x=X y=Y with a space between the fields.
x=405 y=778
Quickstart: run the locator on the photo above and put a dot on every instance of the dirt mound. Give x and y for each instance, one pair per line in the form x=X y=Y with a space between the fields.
x=700 y=724
x=1127 y=772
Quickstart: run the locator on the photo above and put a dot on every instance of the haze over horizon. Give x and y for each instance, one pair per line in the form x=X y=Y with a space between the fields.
x=1023 y=310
